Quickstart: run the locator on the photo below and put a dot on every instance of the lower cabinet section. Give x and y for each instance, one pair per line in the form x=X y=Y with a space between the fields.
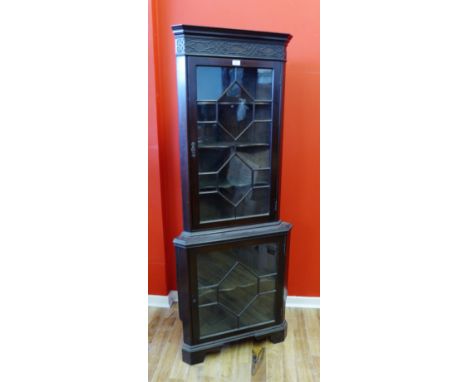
x=236 y=287
x=231 y=286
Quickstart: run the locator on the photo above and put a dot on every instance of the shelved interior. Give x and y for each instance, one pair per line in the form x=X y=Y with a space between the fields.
x=234 y=127
x=236 y=287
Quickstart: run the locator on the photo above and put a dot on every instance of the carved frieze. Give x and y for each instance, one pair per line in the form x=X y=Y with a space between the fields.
x=193 y=46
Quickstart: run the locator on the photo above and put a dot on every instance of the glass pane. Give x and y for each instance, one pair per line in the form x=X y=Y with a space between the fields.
x=207 y=112
x=206 y=296
x=208 y=181
x=263 y=111
x=212 y=266
x=264 y=84
x=235 y=94
x=236 y=287
x=235 y=180
x=261 y=177
x=212 y=80
x=234 y=141
x=211 y=159
x=235 y=117
x=214 y=207
x=214 y=319
x=260 y=311
x=260 y=258
x=211 y=134
x=267 y=283
x=258 y=132
x=257 y=202
x=258 y=82
x=255 y=156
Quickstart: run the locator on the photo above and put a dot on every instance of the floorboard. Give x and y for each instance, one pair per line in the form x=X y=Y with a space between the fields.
x=295 y=359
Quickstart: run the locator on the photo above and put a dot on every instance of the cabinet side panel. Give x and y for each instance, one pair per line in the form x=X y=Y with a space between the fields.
x=276 y=138
x=183 y=290
x=283 y=277
x=183 y=139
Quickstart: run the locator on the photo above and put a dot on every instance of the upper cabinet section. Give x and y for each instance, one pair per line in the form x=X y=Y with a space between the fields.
x=230 y=86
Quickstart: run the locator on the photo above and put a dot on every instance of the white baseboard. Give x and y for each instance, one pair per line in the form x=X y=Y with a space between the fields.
x=291 y=301
x=303 y=302
x=158 y=301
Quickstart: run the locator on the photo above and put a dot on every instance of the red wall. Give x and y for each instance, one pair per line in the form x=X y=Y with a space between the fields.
x=157 y=282
x=300 y=191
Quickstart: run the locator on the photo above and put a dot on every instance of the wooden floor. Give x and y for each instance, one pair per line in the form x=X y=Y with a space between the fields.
x=295 y=359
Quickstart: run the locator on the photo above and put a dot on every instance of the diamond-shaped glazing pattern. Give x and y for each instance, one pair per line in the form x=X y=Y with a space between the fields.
x=235 y=93
x=234 y=123
x=235 y=110
x=235 y=180
x=236 y=287
x=235 y=118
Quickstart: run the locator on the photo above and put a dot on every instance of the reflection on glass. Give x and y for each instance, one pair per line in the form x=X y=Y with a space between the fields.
x=258 y=132
x=258 y=82
x=255 y=156
x=257 y=202
x=212 y=266
x=261 y=310
x=208 y=181
x=214 y=207
x=213 y=319
x=211 y=159
x=206 y=112
x=211 y=81
x=236 y=287
x=235 y=117
x=239 y=287
x=267 y=284
x=214 y=135
x=260 y=258
x=234 y=113
x=207 y=296
x=235 y=180
x=263 y=111
x=264 y=84
x=261 y=177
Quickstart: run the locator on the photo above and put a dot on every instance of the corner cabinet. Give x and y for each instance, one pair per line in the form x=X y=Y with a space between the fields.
x=232 y=254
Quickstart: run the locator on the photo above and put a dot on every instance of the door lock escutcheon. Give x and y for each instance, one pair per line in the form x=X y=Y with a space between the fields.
x=193 y=149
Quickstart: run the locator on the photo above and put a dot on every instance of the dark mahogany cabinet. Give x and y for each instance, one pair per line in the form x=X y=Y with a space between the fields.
x=232 y=254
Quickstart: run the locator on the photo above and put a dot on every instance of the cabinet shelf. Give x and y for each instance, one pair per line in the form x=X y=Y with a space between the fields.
x=250 y=103
x=213 y=101
x=247 y=184
x=257 y=168
x=225 y=145
x=213 y=189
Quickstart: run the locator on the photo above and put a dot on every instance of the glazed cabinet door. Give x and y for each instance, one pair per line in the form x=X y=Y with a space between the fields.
x=234 y=116
x=238 y=287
